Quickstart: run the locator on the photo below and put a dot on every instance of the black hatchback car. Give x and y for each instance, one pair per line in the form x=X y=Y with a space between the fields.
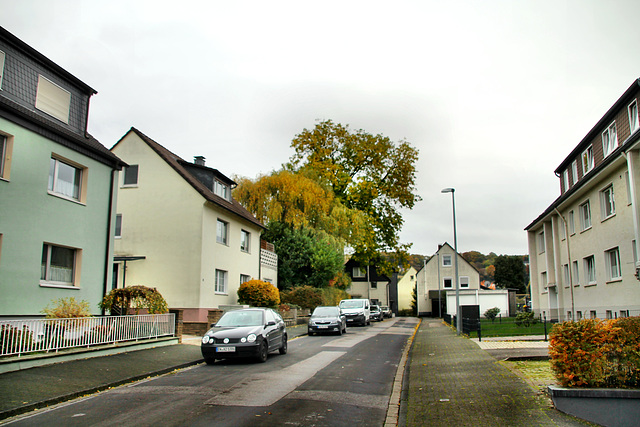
x=251 y=332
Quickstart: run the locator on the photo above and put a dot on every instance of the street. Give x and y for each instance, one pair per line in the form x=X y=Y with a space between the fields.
x=323 y=380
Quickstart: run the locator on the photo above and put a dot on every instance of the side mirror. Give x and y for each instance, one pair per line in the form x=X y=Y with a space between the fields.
x=270 y=323
x=212 y=325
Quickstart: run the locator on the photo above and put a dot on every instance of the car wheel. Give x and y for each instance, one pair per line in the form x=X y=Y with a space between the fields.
x=340 y=330
x=263 y=352
x=210 y=360
x=310 y=333
x=283 y=349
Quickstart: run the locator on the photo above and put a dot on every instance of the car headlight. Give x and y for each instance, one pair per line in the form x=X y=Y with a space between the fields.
x=205 y=339
x=251 y=337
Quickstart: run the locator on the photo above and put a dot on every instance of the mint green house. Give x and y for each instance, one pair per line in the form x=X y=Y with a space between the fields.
x=57 y=187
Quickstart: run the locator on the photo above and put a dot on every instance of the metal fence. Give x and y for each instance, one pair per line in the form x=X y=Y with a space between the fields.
x=18 y=337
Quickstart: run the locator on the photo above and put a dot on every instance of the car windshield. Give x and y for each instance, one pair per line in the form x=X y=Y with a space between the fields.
x=241 y=318
x=350 y=304
x=375 y=308
x=326 y=311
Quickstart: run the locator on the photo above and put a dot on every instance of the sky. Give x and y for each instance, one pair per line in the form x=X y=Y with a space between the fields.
x=493 y=94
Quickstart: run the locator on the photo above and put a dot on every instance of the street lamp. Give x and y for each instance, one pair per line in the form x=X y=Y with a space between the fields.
x=455 y=248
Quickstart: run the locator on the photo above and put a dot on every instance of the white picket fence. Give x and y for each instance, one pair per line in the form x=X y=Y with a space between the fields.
x=18 y=337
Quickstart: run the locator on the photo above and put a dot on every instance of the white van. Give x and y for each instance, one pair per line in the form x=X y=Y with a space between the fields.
x=357 y=311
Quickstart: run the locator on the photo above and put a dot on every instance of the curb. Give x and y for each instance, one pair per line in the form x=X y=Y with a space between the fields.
x=59 y=399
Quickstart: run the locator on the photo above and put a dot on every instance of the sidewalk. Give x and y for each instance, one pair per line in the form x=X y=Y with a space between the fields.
x=39 y=387
x=451 y=381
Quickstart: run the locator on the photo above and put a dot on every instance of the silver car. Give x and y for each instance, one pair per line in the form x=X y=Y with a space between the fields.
x=327 y=319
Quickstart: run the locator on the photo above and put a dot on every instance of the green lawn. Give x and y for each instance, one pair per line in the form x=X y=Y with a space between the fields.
x=506 y=327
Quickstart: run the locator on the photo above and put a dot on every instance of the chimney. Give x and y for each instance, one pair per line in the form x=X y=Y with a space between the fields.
x=198 y=160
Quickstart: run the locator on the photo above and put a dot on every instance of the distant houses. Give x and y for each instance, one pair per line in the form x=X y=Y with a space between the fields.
x=583 y=249
x=57 y=187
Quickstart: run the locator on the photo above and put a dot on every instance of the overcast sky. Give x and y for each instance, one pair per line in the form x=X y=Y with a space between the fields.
x=494 y=94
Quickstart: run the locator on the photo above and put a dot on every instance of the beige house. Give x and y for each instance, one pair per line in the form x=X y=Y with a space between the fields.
x=178 y=229
x=436 y=283
x=405 y=289
x=583 y=249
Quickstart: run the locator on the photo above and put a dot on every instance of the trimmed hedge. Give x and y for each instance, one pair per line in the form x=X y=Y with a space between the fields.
x=257 y=293
x=596 y=353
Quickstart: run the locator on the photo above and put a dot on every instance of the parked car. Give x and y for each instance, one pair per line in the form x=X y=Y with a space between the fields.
x=386 y=311
x=327 y=319
x=251 y=332
x=376 y=313
x=357 y=310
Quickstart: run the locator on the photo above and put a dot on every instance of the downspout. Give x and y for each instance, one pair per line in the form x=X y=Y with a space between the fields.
x=569 y=265
x=109 y=260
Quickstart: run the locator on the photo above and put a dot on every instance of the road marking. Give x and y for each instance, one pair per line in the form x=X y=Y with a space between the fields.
x=268 y=388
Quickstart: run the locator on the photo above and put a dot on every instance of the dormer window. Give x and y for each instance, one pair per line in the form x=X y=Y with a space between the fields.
x=633 y=116
x=52 y=99
x=574 y=171
x=609 y=139
x=565 y=179
x=587 y=160
x=221 y=189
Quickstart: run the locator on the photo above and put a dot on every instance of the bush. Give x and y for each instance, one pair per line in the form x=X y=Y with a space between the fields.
x=332 y=296
x=406 y=312
x=526 y=319
x=257 y=293
x=120 y=300
x=594 y=353
x=303 y=296
x=492 y=313
x=67 y=308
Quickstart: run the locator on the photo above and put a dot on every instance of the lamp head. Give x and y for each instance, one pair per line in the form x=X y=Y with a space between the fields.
x=448 y=190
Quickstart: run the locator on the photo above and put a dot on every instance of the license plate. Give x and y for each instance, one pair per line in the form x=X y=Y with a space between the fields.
x=322 y=327
x=225 y=349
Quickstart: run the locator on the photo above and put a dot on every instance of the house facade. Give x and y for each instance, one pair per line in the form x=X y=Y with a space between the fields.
x=436 y=282
x=368 y=284
x=583 y=248
x=57 y=187
x=406 y=284
x=179 y=229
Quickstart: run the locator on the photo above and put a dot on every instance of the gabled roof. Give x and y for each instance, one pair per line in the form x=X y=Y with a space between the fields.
x=178 y=164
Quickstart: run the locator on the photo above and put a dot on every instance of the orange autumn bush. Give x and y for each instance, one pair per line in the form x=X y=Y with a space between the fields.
x=596 y=353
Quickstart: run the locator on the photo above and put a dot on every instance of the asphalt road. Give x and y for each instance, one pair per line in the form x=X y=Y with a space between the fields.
x=322 y=381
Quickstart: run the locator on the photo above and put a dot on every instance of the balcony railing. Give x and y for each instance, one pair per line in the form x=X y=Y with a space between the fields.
x=19 y=337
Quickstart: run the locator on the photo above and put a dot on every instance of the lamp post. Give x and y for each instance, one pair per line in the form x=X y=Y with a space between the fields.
x=455 y=248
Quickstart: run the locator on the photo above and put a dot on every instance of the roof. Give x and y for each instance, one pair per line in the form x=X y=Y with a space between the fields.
x=85 y=144
x=177 y=163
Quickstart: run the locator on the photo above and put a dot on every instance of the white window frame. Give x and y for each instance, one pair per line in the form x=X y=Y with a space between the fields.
x=447 y=260
x=244 y=278
x=222 y=232
x=585 y=216
x=565 y=180
x=130 y=172
x=588 y=161
x=609 y=139
x=607 y=202
x=444 y=282
x=358 y=272
x=464 y=282
x=53 y=99
x=220 y=287
x=634 y=122
x=48 y=277
x=56 y=185
x=574 y=171
x=590 y=277
x=612 y=262
x=245 y=241
x=221 y=189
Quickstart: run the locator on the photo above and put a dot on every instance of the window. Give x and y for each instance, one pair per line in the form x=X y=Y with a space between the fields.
x=572 y=224
x=607 y=203
x=541 y=244
x=574 y=171
x=448 y=282
x=464 y=282
x=221 y=282
x=446 y=260
x=576 y=274
x=5 y=156
x=624 y=313
x=565 y=180
x=594 y=315
x=612 y=261
x=578 y=315
x=118 y=226
x=609 y=139
x=587 y=160
x=358 y=272
x=568 y=315
x=52 y=99
x=634 y=251
x=131 y=176
x=58 y=265
x=565 y=270
x=585 y=215
x=633 y=116
x=590 y=270
x=374 y=285
x=563 y=229
x=608 y=315
x=222 y=232
x=244 y=278
x=64 y=179
x=245 y=240
x=543 y=280
x=1 y=67
x=221 y=189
